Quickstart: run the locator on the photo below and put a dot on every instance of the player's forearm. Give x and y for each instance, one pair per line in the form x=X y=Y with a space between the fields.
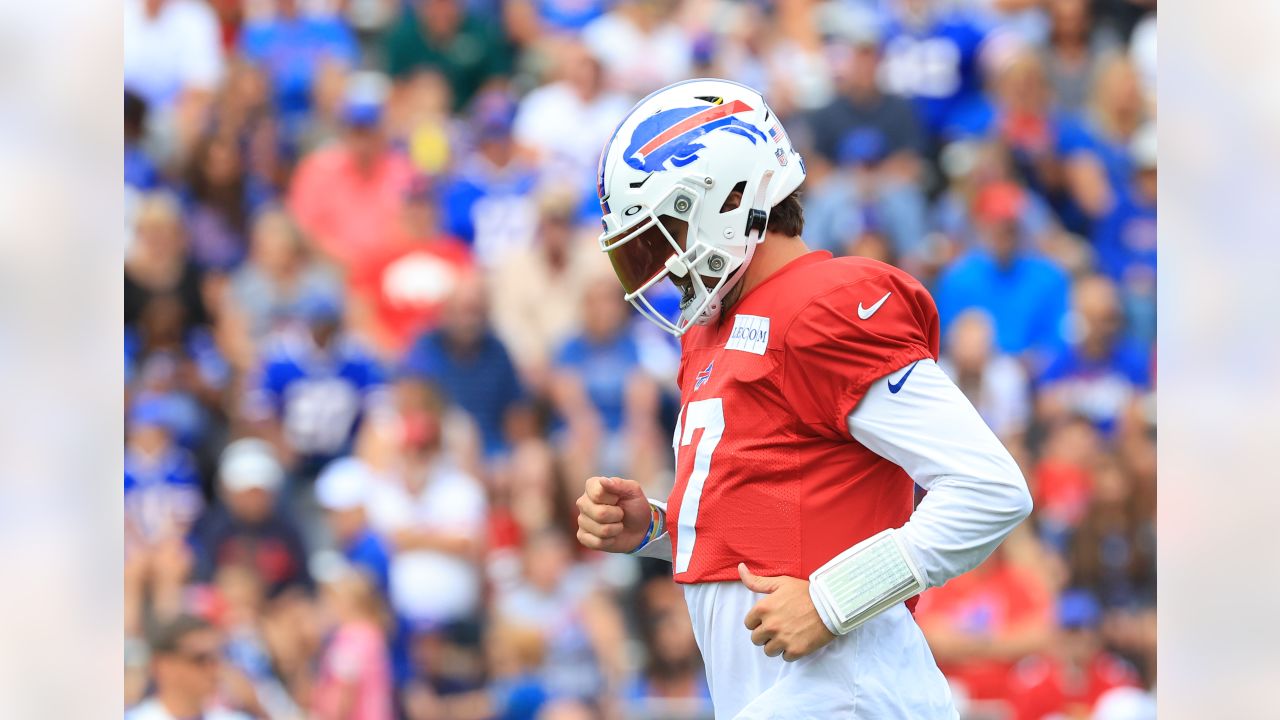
x=976 y=493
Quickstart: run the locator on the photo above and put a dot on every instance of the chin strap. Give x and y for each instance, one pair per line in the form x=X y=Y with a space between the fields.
x=758 y=216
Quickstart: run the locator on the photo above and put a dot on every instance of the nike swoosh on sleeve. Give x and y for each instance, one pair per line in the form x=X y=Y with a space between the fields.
x=866 y=313
x=895 y=387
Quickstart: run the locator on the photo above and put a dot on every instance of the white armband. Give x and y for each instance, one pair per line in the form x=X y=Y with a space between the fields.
x=864 y=581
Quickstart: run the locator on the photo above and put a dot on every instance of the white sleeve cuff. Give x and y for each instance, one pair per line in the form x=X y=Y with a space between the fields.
x=864 y=581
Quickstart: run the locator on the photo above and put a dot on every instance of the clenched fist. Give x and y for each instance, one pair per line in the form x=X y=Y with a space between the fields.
x=613 y=515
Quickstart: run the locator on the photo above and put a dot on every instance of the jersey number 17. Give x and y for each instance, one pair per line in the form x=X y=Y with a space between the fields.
x=707 y=415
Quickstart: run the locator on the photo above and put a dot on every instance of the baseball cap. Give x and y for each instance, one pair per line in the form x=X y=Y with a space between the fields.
x=493 y=116
x=999 y=202
x=154 y=411
x=958 y=158
x=848 y=24
x=343 y=484
x=364 y=97
x=250 y=463
x=317 y=307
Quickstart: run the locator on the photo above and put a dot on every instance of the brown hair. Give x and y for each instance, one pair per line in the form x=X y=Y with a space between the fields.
x=787 y=217
x=167 y=638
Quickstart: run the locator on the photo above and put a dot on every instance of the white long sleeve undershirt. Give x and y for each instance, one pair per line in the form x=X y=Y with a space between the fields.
x=977 y=494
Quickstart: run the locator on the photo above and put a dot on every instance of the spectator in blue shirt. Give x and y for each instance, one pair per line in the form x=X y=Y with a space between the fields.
x=313 y=386
x=140 y=172
x=876 y=141
x=567 y=17
x=161 y=499
x=292 y=47
x=1020 y=115
x=1024 y=293
x=467 y=361
x=342 y=489
x=1102 y=372
x=1125 y=239
x=166 y=359
x=931 y=56
x=217 y=203
x=1094 y=148
x=599 y=388
x=488 y=200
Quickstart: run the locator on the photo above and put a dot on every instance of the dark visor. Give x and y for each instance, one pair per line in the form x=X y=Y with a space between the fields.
x=640 y=259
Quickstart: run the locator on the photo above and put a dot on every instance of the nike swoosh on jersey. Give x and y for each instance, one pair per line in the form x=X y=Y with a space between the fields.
x=895 y=387
x=866 y=313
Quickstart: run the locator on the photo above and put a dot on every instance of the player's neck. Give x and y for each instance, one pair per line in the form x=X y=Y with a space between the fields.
x=771 y=255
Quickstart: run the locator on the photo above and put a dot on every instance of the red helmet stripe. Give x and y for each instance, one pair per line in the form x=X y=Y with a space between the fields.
x=694 y=121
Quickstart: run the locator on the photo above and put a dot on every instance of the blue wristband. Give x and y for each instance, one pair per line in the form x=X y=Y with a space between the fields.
x=648 y=534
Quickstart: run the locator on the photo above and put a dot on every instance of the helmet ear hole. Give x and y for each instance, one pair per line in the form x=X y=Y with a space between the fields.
x=732 y=202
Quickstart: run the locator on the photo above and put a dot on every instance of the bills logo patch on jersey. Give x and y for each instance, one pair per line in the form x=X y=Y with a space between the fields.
x=750 y=334
x=669 y=139
x=703 y=376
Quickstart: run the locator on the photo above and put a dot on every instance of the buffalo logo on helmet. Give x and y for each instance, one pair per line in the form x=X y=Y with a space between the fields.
x=669 y=138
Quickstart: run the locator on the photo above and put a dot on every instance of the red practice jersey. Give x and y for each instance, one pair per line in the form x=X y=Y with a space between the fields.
x=766 y=470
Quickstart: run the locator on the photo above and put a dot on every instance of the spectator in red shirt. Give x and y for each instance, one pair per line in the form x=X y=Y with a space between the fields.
x=981 y=623
x=399 y=292
x=348 y=196
x=1068 y=679
x=1064 y=478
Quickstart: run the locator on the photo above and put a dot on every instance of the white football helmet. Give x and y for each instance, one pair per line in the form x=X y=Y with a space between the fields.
x=664 y=179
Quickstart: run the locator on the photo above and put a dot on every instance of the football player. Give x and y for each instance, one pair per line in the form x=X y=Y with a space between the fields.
x=811 y=400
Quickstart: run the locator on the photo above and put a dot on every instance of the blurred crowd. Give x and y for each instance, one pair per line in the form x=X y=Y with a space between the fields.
x=373 y=350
